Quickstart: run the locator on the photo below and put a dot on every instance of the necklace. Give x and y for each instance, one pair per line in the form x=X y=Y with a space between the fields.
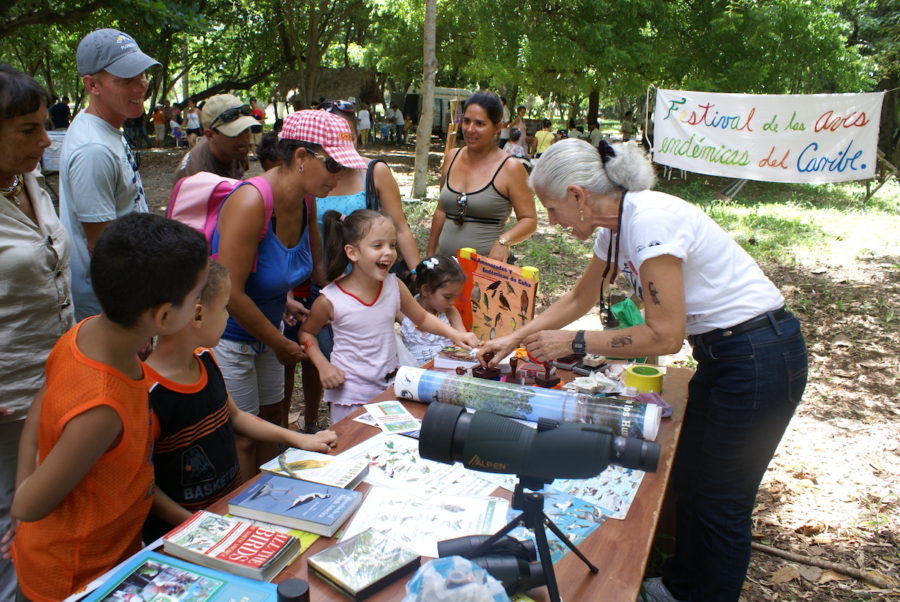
x=12 y=193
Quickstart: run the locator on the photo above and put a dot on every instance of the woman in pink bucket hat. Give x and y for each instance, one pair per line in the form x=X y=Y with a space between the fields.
x=267 y=237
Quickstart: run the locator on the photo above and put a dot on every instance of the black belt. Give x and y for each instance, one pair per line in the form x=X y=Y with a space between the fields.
x=756 y=323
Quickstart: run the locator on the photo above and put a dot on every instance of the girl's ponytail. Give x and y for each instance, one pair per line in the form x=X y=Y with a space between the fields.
x=337 y=259
x=342 y=230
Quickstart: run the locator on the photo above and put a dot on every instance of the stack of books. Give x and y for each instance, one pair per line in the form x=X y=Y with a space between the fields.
x=231 y=545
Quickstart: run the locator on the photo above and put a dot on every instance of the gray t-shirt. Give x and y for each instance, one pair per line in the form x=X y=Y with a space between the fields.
x=98 y=182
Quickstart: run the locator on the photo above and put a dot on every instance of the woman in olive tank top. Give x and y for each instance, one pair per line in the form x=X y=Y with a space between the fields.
x=480 y=188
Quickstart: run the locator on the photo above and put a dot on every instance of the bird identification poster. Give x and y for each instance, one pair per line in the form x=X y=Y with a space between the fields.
x=497 y=298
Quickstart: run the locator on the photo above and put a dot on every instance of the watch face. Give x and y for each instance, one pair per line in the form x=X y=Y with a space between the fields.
x=578 y=342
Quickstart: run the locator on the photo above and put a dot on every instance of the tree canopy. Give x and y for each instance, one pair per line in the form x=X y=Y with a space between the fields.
x=564 y=50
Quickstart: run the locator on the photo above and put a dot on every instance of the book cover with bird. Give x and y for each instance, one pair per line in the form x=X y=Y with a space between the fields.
x=303 y=505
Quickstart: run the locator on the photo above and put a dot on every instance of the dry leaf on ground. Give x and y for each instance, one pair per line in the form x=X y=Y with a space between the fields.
x=788 y=572
x=828 y=576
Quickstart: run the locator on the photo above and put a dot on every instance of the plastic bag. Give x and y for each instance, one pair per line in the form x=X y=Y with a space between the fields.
x=453 y=579
x=627 y=313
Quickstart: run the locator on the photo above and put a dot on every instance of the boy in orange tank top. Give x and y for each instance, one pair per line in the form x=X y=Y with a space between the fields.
x=84 y=483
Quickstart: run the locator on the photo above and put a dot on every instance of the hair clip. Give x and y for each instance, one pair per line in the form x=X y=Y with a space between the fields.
x=343 y=217
x=431 y=263
x=606 y=151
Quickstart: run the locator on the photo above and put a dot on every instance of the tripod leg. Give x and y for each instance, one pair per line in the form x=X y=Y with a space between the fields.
x=558 y=532
x=543 y=547
x=488 y=543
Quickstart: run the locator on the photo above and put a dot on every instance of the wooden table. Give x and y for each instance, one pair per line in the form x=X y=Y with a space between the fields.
x=619 y=548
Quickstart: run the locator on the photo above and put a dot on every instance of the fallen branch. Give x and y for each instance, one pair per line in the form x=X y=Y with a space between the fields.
x=825 y=564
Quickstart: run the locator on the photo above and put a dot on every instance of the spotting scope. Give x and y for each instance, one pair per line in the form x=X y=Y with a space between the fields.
x=555 y=450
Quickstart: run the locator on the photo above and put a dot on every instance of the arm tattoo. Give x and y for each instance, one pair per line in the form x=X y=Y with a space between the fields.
x=622 y=341
x=654 y=293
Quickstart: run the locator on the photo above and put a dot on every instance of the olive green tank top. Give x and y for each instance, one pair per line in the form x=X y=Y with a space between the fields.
x=474 y=219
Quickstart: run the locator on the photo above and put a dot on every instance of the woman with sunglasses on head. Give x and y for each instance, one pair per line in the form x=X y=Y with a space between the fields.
x=350 y=194
x=268 y=259
x=35 y=306
x=694 y=279
x=480 y=188
x=346 y=197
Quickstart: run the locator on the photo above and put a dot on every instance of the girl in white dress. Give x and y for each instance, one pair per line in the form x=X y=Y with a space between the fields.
x=361 y=307
x=438 y=281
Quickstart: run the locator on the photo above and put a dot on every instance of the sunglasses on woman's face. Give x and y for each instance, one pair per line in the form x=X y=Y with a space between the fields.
x=229 y=115
x=330 y=164
x=462 y=203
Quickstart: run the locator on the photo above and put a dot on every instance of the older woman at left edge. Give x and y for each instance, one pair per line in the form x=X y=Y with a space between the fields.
x=35 y=307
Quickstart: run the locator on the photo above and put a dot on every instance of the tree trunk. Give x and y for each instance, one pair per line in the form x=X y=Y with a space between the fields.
x=186 y=77
x=886 y=140
x=593 y=106
x=513 y=101
x=426 y=115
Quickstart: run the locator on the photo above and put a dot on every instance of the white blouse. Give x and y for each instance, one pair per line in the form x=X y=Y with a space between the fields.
x=35 y=302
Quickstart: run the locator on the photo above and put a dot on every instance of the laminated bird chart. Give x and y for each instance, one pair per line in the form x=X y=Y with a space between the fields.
x=497 y=298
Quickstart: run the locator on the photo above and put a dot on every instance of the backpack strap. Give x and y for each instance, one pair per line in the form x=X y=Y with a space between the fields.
x=265 y=190
x=262 y=185
x=372 y=200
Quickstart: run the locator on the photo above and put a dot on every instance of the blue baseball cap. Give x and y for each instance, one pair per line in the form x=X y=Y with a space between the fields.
x=112 y=51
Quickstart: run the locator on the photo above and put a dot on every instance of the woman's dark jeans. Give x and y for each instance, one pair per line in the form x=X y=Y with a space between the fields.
x=740 y=401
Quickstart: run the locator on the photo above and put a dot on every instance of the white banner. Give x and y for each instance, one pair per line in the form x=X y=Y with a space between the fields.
x=773 y=138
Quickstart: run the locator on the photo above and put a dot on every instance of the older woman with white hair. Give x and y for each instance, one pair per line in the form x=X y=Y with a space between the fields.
x=695 y=280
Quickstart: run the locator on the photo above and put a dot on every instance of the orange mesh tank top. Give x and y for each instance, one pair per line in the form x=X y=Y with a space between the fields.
x=98 y=524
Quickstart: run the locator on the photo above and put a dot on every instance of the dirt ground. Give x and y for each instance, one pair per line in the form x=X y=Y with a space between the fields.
x=831 y=493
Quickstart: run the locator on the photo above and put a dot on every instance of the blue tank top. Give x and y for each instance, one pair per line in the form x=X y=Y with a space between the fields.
x=278 y=270
x=344 y=203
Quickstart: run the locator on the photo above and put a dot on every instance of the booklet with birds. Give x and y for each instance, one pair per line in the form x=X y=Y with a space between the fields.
x=318 y=468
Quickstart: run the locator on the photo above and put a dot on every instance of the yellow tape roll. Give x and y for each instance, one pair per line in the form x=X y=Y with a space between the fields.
x=644 y=378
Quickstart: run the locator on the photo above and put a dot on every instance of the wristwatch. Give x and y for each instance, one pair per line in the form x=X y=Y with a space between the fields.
x=578 y=345
x=503 y=241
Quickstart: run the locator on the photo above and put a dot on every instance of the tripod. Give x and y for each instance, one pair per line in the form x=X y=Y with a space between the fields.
x=532 y=517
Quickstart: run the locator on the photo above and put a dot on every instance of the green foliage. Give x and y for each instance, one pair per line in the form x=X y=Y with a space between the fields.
x=560 y=50
x=780 y=46
x=788 y=222
x=875 y=27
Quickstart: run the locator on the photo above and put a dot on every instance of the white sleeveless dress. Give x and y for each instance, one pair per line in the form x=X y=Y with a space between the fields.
x=365 y=347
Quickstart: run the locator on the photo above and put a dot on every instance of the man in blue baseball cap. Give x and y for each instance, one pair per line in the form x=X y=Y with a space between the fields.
x=98 y=176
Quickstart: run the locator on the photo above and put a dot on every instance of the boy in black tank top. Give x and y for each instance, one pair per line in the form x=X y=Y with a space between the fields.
x=195 y=419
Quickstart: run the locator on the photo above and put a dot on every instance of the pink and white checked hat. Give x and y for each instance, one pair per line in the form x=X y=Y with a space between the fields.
x=329 y=131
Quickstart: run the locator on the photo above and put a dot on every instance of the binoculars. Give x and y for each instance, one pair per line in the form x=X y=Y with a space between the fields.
x=512 y=562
